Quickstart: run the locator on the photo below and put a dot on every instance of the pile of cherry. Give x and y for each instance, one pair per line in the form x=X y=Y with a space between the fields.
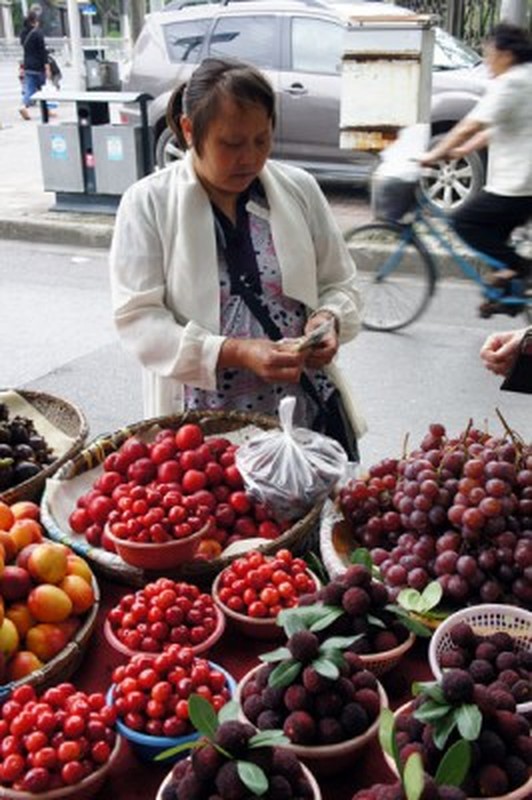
x=168 y=489
x=458 y=510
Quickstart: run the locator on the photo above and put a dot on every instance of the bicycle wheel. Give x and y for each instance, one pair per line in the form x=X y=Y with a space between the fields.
x=397 y=275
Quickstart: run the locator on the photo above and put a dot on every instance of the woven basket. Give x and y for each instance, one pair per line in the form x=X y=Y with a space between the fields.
x=67 y=661
x=381 y=663
x=63 y=415
x=484 y=619
x=198 y=571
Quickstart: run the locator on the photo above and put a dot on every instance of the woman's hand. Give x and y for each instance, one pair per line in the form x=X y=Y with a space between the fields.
x=500 y=350
x=274 y=362
x=324 y=352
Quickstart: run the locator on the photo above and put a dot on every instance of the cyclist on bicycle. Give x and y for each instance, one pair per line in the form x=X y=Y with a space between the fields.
x=503 y=119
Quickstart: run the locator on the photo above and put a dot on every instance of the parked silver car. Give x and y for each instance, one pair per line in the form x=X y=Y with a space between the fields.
x=298 y=45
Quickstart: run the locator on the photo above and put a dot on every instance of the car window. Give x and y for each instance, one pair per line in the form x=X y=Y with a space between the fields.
x=184 y=40
x=246 y=38
x=316 y=45
x=451 y=53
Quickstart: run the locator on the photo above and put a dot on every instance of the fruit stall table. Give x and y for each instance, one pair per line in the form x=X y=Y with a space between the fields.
x=132 y=779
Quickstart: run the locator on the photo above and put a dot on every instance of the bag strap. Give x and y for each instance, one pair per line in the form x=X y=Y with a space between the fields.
x=25 y=42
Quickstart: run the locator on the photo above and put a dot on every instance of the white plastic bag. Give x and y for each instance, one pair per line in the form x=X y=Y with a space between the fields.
x=290 y=469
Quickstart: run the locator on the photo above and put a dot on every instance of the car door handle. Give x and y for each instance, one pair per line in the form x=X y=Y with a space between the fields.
x=295 y=89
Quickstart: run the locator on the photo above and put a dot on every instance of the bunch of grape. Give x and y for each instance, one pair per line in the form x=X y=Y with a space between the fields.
x=458 y=510
x=23 y=451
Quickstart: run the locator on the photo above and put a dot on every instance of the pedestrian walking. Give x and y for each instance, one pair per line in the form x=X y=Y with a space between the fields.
x=35 y=62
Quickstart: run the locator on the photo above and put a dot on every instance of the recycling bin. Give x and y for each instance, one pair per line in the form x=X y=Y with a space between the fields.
x=61 y=160
x=386 y=78
x=118 y=157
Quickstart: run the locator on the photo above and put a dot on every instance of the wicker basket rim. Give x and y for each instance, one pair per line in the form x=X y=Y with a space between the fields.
x=12 y=494
x=97 y=450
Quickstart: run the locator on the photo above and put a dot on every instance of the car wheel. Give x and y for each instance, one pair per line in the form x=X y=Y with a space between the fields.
x=449 y=184
x=167 y=150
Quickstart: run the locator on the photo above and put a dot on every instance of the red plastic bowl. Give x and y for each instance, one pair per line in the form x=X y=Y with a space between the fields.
x=164 y=556
x=254 y=627
x=120 y=647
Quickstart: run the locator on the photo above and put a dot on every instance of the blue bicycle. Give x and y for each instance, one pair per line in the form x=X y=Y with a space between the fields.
x=398 y=268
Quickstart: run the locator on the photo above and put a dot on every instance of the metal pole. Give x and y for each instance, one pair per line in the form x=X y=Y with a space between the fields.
x=514 y=11
x=75 y=43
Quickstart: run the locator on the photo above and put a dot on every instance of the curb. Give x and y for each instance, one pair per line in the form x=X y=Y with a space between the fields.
x=79 y=233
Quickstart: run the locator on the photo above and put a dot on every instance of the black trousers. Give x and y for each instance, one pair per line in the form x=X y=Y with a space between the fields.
x=486 y=222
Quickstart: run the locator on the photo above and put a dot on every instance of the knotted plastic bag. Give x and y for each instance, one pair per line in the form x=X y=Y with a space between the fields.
x=290 y=469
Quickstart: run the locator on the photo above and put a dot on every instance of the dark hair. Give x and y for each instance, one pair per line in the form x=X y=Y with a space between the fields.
x=32 y=18
x=512 y=39
x=214 y=80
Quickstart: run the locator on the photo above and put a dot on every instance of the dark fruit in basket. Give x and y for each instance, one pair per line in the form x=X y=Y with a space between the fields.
x=455 y=509
x=495 y=658
x=23 y=452
x=169 y=489
x=500 y=750
x=395 y=791
x=212 y=773
x=311 y=708
x=70 y=737
x=361 y=599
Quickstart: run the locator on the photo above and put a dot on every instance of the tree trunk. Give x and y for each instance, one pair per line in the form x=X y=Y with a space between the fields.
x=137 y=11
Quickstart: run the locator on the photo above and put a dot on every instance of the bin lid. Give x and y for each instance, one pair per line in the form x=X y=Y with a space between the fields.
x=91 y=97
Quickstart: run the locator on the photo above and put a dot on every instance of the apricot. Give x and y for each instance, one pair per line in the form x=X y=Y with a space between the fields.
x=24 y=555
x=47 y=562
x=25 y=509
x=9 y=638
x=46 y=640
x=19 y=614
x=80 y=593
x=8 y=545
x=49 y=603
x=25 y=531
x=7 y=517
x=78 y=566
x=15 y=583
x=21 y=664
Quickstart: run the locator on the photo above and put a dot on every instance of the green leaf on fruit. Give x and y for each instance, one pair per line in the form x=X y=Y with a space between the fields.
x=178 y=748
x=329 y=615
x=410 y=599
x=430 y=689
x=316 y=565
x=411 y=623
x=326 y=667
x=339 y=642
x=387 y=737
x=430 y=711
x=442 y=729
x=252 y=777
x=414 y=777
x=336 y=656
x=454 y=764
x=431 y=595
x=228 y=712
x=285 y=673
x=361 y=556
x=469 y=720
x=269 y=738
x=202 y=716
x=291 y=622
x=280 y=654
x=378 y=623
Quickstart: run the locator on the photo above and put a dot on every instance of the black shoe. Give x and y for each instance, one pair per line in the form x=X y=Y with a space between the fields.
x=489 y=308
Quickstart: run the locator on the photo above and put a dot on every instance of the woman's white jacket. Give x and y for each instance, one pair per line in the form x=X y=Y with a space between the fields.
x=164 y=275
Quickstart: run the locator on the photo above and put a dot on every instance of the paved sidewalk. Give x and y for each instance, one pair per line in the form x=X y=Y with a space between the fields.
x=25 y=208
